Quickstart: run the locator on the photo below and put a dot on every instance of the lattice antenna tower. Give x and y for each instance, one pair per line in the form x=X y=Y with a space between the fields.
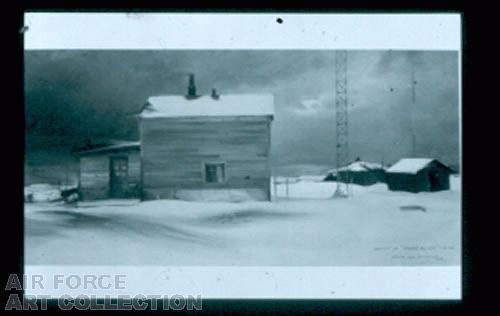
x=342 y=127
x=412 y=112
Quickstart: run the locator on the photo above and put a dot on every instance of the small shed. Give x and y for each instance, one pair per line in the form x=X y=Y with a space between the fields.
x=418 y=174
x=361 y=173
x=110 y=171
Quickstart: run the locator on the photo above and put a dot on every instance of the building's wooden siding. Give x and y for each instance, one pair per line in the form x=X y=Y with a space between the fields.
x=443 y=175
x=362 y=177
x=419 y=182
x=405 y=182
x=174 y=151
x=94 y=174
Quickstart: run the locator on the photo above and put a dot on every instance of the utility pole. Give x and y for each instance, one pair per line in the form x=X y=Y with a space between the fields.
x=342 y=127
x=412 y=112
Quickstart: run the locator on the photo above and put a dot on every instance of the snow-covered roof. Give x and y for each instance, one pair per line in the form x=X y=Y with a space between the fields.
x=361 y=166
x=225 y=105
x=117 y=146
x=410 y=165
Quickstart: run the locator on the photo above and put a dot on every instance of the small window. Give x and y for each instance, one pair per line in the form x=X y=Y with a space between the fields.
x=215 y=172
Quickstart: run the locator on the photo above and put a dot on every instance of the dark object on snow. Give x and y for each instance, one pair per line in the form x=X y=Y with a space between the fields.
x=418 y=174
x=70 y=195
x=28 y=198
x=412 y=208
x=331 y=176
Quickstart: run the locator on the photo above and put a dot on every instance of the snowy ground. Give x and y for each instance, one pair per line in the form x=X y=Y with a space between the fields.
x=369 y=228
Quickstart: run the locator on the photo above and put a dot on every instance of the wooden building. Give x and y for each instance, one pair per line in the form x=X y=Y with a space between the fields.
x=110 y=171
x=191 y=147
x=417 y=175
x=199 y=147
x=361 y=173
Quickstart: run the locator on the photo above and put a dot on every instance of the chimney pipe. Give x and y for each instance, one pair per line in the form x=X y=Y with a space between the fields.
x=215 y=96
x=191 y=93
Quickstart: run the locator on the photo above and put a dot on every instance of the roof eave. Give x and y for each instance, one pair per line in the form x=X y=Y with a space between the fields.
x=128 y=147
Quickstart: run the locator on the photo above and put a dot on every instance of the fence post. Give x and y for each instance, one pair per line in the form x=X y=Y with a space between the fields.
x=287 y=195
x=275 y=187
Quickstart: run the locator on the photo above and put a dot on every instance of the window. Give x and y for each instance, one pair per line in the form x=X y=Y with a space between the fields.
x=215 y=172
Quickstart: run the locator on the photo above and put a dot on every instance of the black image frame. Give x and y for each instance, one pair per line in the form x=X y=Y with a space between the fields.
x=13 y=233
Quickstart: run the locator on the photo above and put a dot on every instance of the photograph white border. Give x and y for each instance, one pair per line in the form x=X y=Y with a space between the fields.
x=241 y=31
x=270 y=282
x=169 y=31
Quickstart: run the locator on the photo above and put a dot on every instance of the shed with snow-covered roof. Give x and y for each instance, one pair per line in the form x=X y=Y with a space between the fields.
x=109 y=170
x=418 y=174
x=194 y=144
x=359 y=172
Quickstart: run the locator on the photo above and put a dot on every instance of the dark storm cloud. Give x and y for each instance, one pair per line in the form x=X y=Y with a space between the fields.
x=72 y=96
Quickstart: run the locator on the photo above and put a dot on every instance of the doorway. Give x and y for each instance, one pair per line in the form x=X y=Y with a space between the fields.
x=434 y=180
x=118 y=179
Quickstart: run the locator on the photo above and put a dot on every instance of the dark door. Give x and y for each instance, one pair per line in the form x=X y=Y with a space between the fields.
x=434 y=180
x=118 y=166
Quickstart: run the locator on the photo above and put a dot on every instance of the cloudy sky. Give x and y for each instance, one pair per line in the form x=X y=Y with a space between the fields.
x=72 y=96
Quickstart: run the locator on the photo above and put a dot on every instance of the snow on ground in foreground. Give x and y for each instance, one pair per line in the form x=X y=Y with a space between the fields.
x=368 y=228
